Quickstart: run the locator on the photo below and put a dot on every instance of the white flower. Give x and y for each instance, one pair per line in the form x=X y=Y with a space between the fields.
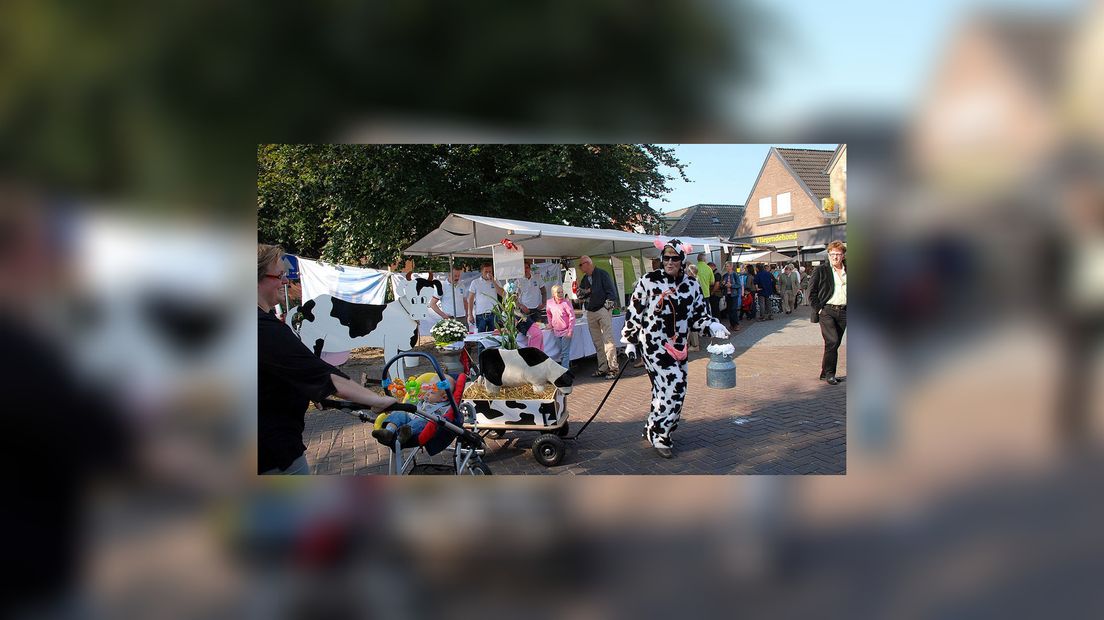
x=448 y=330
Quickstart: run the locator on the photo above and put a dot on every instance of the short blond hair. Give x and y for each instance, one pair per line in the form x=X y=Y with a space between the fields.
x=265 y=255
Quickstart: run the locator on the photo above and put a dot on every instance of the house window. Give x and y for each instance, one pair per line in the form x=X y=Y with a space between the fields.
x=783 y=203
x=765 y=207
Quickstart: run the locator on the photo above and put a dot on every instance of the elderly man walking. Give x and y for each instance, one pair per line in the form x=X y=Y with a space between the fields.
x=599 y=297
x=787 y=284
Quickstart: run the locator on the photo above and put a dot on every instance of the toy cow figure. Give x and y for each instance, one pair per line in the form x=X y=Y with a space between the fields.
x=509 y=367
x=333 y=325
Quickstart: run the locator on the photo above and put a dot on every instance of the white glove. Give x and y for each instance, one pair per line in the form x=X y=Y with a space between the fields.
x=718 y=330
x=630 y=351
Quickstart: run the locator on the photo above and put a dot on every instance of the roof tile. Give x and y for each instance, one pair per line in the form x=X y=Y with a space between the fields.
x=709 y=220
x=809 y=164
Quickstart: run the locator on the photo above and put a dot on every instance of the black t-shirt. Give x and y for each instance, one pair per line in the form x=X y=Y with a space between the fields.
x=289 y=376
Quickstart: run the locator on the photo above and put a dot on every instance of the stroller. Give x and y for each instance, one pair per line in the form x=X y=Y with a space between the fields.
x=443 y=431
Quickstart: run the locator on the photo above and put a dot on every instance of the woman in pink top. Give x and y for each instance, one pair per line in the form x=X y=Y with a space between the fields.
x=561 y=316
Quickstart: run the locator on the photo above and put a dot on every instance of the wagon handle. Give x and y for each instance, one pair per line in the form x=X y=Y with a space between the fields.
x=608 y=392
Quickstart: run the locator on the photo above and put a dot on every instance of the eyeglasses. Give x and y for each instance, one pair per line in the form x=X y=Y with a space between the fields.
x=277 y=276
x=835 y=254
x=670 y=259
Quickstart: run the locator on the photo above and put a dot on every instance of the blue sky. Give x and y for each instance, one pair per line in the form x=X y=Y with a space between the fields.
x=719 y=173
x=857 y=56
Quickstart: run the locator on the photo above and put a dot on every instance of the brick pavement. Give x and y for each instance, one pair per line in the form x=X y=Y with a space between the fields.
x=779 y=419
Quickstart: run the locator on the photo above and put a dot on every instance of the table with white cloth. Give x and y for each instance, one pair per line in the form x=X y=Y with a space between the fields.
x=581 y=344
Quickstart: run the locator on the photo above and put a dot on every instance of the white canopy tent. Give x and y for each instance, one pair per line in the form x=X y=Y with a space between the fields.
x=767 y=256
x=474 y=235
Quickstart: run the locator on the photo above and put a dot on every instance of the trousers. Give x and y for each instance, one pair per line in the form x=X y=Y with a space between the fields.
x=833 y=322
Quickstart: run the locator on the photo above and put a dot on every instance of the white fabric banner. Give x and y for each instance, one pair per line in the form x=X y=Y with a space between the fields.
x=352 y=284
x=619 y=278
x=508 y=264
x=569 y=283
x=548 y=274
x=638 y=267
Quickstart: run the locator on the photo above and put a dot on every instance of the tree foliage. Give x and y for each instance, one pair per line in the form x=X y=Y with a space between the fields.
x=352 y=203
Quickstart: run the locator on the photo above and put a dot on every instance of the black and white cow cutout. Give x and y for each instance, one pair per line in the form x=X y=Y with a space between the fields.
x=510 y=367
x=331 y=325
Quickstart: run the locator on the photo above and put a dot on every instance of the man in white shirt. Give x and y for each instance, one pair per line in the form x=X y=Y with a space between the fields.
x=531 y=295
x=450 y=305
x=482 y=297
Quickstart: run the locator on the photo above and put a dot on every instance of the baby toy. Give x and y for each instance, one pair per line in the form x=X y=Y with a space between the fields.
x=429 y=394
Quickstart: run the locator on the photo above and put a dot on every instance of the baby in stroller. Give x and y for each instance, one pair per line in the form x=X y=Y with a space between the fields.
x=430 y=397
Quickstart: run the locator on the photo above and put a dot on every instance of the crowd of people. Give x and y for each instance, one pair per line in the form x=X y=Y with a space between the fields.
x=669 y=310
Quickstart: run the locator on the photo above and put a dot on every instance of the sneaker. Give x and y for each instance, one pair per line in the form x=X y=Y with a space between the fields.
x=385 y=436
x=405 y=433
x=664 y=452
x=611 y=374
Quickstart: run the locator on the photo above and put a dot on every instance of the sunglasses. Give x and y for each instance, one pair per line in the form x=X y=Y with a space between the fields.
x=277 y=276
x=671 y=259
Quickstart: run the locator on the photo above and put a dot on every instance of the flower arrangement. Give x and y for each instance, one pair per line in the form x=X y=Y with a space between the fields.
x=448 y=331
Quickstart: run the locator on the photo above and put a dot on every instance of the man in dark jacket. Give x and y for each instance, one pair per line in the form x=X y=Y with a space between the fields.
x=599 y=297
x=828 y=297
x=764 y=283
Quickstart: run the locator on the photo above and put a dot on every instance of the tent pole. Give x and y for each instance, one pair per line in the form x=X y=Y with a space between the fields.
x=453 y=287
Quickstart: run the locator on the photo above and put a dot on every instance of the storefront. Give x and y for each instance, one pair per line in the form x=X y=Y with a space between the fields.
x=803 y=245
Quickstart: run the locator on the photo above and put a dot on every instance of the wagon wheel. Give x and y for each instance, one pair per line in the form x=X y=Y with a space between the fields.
x=548 y=450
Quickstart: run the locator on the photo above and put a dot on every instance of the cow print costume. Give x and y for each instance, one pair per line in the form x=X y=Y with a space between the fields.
x=648 y=324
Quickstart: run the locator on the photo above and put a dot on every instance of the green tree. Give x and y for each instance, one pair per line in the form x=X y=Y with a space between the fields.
x=344 y=203
x=166 y=100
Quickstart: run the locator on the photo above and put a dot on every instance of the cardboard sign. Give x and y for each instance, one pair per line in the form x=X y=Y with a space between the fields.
x=508 y=264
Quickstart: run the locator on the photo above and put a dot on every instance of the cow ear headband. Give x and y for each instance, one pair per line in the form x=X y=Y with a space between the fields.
x=682 y=248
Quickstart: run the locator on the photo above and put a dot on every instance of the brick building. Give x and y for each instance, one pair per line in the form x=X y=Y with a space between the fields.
x=787 y=208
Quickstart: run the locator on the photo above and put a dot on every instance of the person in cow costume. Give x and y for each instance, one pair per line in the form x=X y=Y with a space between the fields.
x=665 y=306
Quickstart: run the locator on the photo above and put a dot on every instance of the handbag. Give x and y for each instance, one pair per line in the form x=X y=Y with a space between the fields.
x=675 y=351
x=723 y=304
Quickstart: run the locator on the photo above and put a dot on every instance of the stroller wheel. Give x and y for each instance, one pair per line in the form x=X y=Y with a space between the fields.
x=548 y=450
x=479 y=468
